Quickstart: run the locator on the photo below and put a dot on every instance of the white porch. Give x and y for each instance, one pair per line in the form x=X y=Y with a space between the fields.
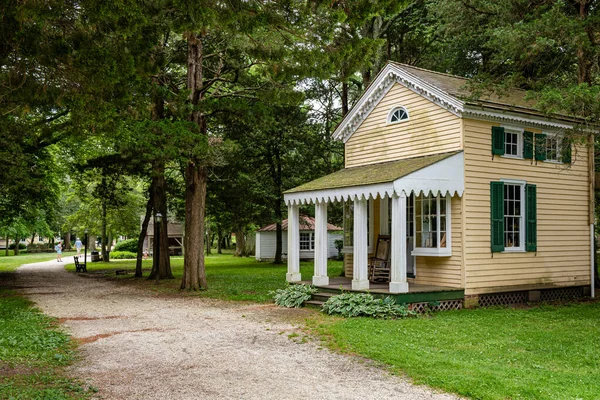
x=390 y=182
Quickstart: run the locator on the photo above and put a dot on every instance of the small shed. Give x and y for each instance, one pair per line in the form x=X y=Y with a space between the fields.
x=266 y=239
x=175 y=234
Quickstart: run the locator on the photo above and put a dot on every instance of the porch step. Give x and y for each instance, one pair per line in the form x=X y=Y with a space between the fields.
x=313 y=304
x=322 y=296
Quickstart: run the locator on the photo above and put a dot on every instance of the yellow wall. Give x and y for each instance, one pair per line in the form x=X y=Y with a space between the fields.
x=429 y=130
x=563 y=256
x=444 y=271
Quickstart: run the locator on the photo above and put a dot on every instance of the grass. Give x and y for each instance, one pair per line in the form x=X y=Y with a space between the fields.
x=545 y=352
x=229 y=278
x=33 y=354
x=12 y=262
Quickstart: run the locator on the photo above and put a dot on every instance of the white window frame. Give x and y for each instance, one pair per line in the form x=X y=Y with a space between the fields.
x=371 y=227
x=521 y=247
x=559 y=139
x=519 y=133
x=311 y=241
x=393 y=110
x=437 y=251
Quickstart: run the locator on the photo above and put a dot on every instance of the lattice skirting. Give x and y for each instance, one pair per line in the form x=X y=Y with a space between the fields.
x=502 y=299
x=568 y=293
x=442 y=305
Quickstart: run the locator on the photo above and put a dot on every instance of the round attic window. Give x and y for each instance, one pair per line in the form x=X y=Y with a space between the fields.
x=398 y=114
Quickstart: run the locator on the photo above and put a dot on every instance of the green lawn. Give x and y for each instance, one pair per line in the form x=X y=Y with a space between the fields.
x=229 y=278
x=546 y=352
x=33 y=354
x=10 y=263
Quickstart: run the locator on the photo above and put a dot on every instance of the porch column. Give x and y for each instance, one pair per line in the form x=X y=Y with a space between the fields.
x=398 y=283
x=293 y=258
x=360 y=266
x=320 y=278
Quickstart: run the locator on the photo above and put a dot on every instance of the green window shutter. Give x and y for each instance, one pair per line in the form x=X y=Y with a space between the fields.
x=530 y=218
x=540 y=147
x=497 y=213
x=527 y=144
x=497 y=140
x=566 y=150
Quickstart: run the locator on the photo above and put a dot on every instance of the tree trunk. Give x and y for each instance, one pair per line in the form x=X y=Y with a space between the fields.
x=196 y=177
x=92 y=242
x=345 y=108
x=67 y=240
x=16 y=251
x=208 y=239
x=32 y=237
x=161 y=262
x=240 y=243
x=219 y=241
x=6 y=247
x=143 y=234
x=194 y=274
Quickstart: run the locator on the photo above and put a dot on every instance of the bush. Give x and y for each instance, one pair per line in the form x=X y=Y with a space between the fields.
x=294 y=295
x=365 y=305
x=122 y=255
x=339 y=245
x=21 y=246
x=129 y=245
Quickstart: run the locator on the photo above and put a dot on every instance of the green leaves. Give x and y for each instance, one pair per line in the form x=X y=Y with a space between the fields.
x=365 y=305
x=293 y=295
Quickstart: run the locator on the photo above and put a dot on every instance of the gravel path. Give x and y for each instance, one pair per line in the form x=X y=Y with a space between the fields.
x=137 y=345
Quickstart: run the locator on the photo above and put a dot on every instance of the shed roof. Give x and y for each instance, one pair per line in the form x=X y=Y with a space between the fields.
x=371 y=174
x=174 y=229
x=306 y=224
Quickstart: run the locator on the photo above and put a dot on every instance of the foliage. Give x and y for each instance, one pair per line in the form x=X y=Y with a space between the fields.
x=545 y=352
x=129 y=245
x=339 y=245
x=122 y=255
x=365 y=305
x=22 y=246
x=37 y=351
x=293 y=296
x=39 y=248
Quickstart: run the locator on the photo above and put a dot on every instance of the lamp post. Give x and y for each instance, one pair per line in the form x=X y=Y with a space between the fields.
x=85 y=251
x=158 y=219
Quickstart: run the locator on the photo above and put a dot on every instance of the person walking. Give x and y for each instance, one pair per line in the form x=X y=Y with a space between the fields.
x=78 y=245
x=58 y=249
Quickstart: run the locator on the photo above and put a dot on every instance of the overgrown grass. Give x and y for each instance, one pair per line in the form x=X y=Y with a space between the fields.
x=229 y=278
x=10 y=263
x=33 y=354
x=546 y=352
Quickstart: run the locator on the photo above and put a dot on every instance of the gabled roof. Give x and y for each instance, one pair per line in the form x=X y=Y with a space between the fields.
x=306 y=224
x=452 y=93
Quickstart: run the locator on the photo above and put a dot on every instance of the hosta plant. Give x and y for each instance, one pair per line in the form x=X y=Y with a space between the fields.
x=293 y=295
x=365 y=305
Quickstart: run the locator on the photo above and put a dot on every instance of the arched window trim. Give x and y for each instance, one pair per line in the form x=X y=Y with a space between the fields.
x=391 y=113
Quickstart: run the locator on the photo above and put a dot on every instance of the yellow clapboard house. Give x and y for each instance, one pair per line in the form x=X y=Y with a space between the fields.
x=454 y=199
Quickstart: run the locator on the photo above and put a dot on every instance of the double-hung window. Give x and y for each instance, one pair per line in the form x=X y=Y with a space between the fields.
x=307 y=241
x=432 y=225
x=513 y=216
x=553 y=148
x=513 y=143
x=349 y=226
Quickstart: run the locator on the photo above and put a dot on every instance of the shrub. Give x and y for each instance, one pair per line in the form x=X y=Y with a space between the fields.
x=126 y=245
x=121 y=255
x=339 y=245
x=365 y=305
x=294 y=295
x=22 y=246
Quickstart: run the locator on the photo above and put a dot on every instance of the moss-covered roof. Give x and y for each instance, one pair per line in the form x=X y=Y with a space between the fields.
x=371 y=174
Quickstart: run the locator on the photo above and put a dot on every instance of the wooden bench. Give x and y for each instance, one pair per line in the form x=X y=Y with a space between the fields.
x=79 y=266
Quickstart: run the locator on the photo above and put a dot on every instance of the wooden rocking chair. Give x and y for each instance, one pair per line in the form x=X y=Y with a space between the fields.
x=379 y=265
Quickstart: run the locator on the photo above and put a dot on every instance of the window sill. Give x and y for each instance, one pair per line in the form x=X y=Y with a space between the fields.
x=422 y=252
x=511 y=156
x=554 y=162
x=506 y=251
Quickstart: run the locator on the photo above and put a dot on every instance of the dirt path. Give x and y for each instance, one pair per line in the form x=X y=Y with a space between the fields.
x=136 y=345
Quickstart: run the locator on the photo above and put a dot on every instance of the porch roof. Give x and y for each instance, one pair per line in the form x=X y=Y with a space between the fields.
x=434 y=173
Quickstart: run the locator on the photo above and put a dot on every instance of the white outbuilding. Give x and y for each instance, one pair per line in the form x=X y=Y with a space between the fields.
x=266 y=240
